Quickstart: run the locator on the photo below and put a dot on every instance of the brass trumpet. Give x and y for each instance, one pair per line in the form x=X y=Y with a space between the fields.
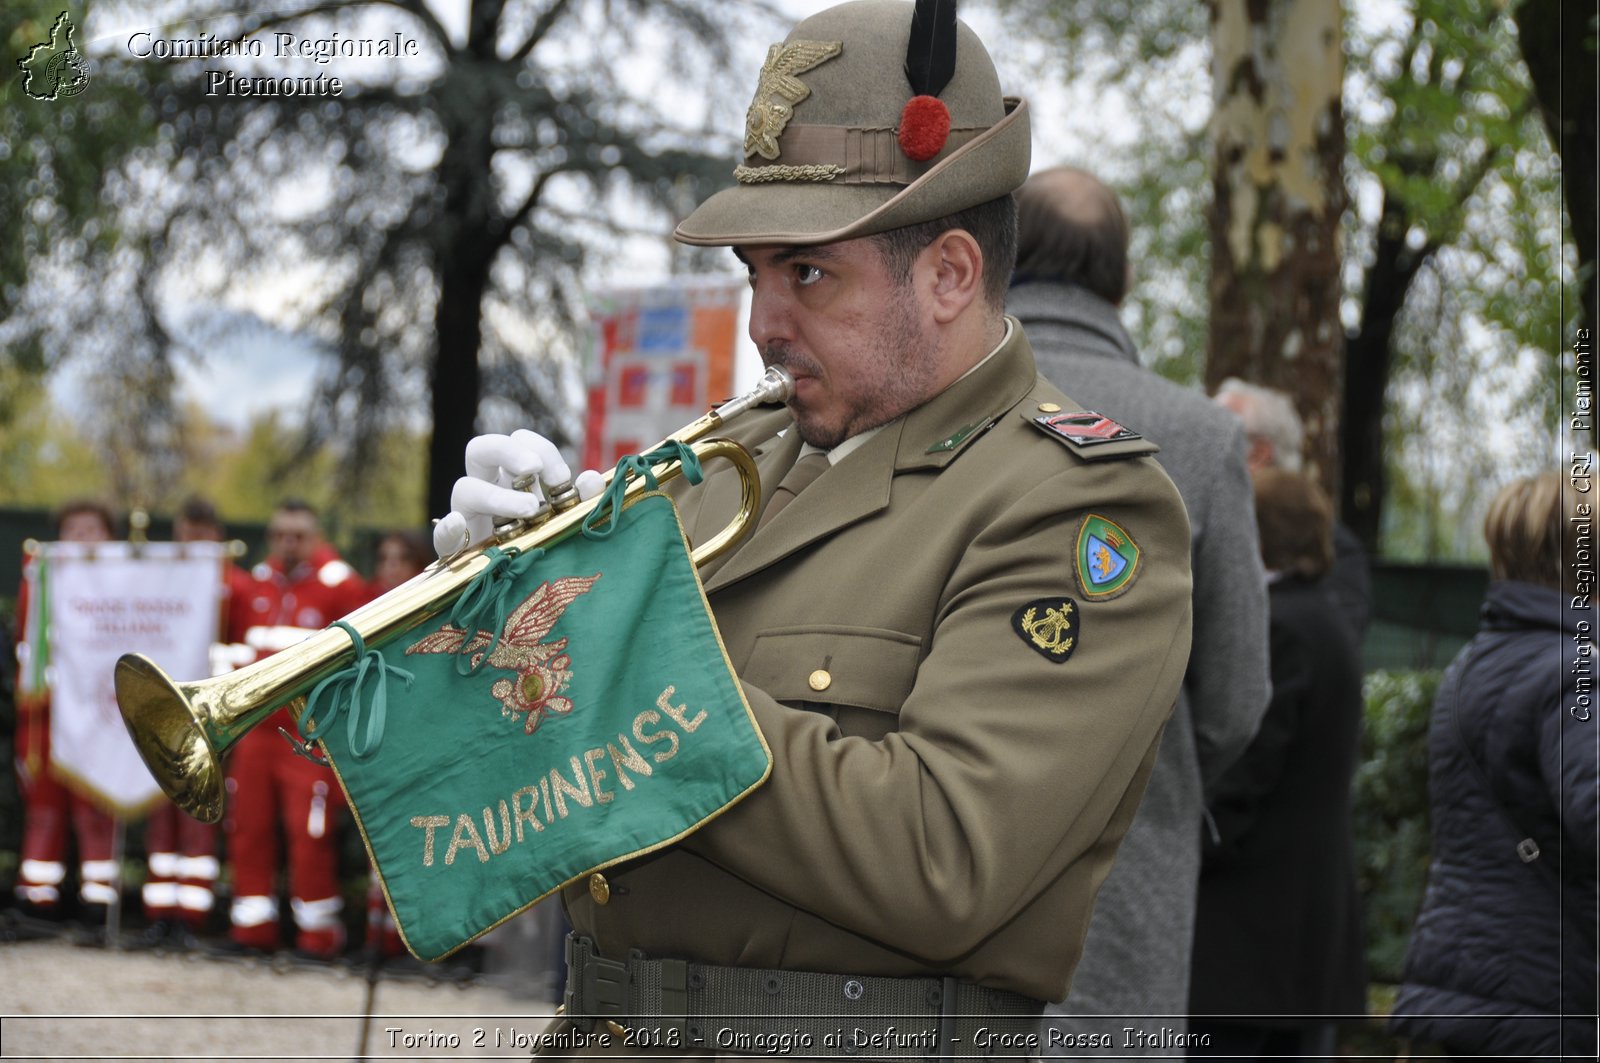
x=182 y=730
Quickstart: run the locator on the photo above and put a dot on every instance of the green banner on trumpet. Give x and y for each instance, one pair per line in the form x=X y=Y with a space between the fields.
x=576 y=709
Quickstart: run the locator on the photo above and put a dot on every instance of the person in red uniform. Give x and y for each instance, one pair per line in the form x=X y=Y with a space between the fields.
x=180 y=882
x=50 y=809
x=302 y=587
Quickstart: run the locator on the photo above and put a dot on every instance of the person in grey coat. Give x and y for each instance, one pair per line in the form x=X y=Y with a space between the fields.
x=1072 y=272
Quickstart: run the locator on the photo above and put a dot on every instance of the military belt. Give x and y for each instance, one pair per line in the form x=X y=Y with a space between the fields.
x=646 y=1002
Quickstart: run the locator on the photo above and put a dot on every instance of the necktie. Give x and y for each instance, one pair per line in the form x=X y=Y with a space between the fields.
x=794 y=481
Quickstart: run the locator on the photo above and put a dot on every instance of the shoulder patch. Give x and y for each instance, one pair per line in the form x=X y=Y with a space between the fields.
x=1093 y=436
x=1105 y=558
x=1049 y=626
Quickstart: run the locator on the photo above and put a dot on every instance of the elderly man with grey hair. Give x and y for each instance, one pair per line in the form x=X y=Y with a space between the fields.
x=1273 y=430
x=1276 y=438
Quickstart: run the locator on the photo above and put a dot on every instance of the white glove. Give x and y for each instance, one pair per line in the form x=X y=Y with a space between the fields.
x=494 y=463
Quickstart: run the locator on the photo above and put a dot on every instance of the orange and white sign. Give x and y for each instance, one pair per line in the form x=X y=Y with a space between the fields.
x=662 y=356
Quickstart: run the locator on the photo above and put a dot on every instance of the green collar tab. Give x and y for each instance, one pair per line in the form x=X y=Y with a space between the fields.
x=959 y=436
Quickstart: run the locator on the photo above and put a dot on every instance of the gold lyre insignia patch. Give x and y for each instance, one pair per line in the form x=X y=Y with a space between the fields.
x=1050 y=626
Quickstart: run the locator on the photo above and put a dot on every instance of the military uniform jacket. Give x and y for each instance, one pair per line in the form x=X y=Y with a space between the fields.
x=946 y=796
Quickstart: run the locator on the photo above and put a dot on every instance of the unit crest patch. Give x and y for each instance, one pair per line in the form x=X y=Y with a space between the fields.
x=1049 y=626
x=1106 y=558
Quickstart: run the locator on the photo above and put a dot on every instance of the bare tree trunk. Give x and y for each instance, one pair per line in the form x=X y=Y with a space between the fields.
x=1558 y=42
x=456 y=377
x=1278 y=71
x=1369 y=364
x=464 y=248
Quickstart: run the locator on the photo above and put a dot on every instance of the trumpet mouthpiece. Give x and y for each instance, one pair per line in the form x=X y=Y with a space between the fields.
x=775 y=385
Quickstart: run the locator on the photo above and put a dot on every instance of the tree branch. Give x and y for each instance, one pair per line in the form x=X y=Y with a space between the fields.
x=503 y=232
x=415 y=8
x=541 y=27
x=1471 y=180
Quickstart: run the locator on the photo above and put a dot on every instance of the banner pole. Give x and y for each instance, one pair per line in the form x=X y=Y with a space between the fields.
x=114 y=909
x=374 y=963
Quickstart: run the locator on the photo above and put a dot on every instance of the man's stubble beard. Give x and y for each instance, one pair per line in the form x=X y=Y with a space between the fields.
x=901 y=354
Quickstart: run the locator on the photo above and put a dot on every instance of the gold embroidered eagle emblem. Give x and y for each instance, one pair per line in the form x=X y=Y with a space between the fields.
x=779 y=90
x=543 y=669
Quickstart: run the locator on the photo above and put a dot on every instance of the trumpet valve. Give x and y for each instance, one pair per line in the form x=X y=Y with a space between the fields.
x=521 y=524
x=563 y=496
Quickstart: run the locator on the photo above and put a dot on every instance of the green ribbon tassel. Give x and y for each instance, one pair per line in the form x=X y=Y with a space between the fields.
x=486 y=603
x=344 y=690
x=638 y=465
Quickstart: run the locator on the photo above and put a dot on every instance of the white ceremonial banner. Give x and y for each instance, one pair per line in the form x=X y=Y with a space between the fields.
x=105 y=600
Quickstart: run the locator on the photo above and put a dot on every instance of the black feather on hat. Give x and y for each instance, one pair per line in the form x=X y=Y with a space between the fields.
x=931 y=52
x=930 y=64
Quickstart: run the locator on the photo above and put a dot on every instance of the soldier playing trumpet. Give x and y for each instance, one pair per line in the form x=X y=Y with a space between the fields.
x=949 y=782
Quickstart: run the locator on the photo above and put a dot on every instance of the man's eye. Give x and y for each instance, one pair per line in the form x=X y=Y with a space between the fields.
x=807 y=275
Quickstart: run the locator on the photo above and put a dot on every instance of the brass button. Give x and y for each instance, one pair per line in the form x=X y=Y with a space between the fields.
x=1049 y=407
x=821 y=680
x=599 y=889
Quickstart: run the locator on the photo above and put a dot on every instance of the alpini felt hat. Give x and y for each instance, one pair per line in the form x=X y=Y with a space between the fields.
x=869 y=116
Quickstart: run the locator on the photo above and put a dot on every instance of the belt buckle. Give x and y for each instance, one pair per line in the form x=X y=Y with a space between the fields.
x=597 y=987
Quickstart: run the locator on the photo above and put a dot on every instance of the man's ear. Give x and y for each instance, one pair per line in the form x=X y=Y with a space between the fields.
x=955 y=263
x=1260 y=453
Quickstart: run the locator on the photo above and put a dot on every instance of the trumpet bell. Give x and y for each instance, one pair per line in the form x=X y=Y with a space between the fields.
x=169 y=730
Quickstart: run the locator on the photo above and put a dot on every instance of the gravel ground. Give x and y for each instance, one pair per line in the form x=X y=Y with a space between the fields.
x=59 y=1001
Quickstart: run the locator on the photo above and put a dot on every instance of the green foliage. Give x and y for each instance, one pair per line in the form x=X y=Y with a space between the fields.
x=1147 y=59
x=1135 y=32
x=477 y=177
x=54 y=155
x=1444 y=130
x=1446 y=157
x=1391 y=813
x=247 y=475
x=44 y=461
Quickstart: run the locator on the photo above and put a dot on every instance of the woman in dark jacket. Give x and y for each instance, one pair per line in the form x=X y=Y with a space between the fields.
x=1502 y=958
x=1277 y=948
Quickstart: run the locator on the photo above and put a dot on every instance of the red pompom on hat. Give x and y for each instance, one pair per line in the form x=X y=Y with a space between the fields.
x=924 y=127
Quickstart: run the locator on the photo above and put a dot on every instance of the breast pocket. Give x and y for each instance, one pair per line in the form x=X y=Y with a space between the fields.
x=859 y=676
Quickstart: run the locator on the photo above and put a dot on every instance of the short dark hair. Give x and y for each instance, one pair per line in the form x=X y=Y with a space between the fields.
x=85 y=505
x=418 y=547
x=993 y=225
x=199 y=510
x=1090 y=250
x=295 y=505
